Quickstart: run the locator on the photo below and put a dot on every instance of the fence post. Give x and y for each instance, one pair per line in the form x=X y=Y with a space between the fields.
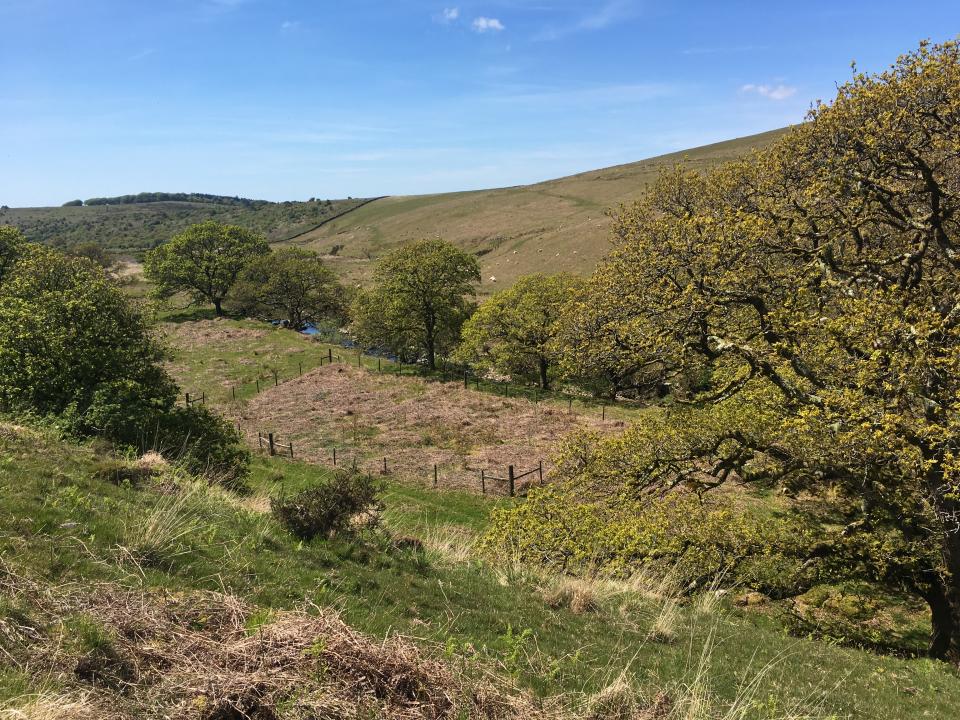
x=258 y=386
x=478 y=384
x=259 y=440
x=510 y=478
x=188 y=399
x=384 y=466
x=273 y=450
x=334 y=457
x=540 y=468
x=233 y=391
x=203 y=398
x=378 y=365
x=603 y=412
x=329 y=355
x=536 y=396
x=483 y=482
x=275 y=381
x=569 y=405
x=354 y=462
x=434 y=475
x=301 y=369
x=291 y=450
x=359 y=356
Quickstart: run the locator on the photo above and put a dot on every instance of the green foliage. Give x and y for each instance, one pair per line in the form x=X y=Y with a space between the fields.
x=291 y=283
x=420 y=300
x=696 y=543
x=12 y=244
x=69 y=337
x=329 y=508
x=514 y=331
x=93 y=252
x=73 y=203
x=804 y=303
x=75 y=349
x=204 y=261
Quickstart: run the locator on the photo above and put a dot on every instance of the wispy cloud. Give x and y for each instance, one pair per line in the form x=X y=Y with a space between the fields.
x=723 y=50
x=145 y=53
x=449 y=15
x=772 y=92
x=290 y=25
x=610 y=13
x=485 y=24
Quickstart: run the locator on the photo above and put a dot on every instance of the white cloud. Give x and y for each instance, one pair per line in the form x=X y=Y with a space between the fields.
x=485 y=24
x=773 y=92
x=290 y=25
x=450 y=15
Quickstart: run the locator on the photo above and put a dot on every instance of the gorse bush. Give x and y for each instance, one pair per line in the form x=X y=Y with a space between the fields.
x=330 y=508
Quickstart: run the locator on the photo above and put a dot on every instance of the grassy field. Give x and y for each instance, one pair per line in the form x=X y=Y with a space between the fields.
x=63 y=522
x=553 y=226
x=277 y=381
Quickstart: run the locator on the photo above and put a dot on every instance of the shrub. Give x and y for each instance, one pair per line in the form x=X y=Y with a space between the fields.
x=329 y=508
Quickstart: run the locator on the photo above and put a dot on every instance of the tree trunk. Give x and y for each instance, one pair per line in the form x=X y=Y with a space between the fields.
x=943 y=625
x=217 y=305
x=544 y=380
x=431 y=354
x=944 y=595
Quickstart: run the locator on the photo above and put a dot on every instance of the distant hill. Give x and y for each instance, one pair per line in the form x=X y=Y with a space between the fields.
x=552 y=226
x=130 y=224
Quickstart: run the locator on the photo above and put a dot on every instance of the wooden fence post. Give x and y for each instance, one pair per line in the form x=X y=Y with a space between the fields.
x=301 y=369
x=569 y=405
x=334 y=457
x=511 y=480
x=434 y=475
x=258 y=386
x=540 y=468
x=275 y=380
x=203 y=398
x=478 y=384
x=378 y=365
x=603 y=412
x=359 y=357
x=329 y=355
x=233 y=391
x=483 y=482
x=291 y=450
x=187 y=399
x=273 y=450
x=384 y=466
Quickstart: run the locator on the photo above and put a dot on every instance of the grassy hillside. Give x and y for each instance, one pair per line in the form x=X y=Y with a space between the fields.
x=132 y=228
x=95 y=577
x=552 y=226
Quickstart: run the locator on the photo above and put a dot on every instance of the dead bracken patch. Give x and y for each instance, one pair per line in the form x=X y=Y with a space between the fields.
x=198 y=333
x=209 y=656
x=413 y=423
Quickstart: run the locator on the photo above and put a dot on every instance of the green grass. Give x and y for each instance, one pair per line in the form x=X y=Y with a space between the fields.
x=60 y=523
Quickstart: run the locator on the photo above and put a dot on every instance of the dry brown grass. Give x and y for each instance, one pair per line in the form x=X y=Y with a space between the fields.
x=414 y=424
x=211 y=656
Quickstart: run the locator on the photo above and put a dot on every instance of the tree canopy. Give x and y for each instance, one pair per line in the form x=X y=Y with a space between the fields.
x=73 y=348
x=514 y=331
x=422 y=296
x=293 y=283
x=813 y=293
x=203 y=261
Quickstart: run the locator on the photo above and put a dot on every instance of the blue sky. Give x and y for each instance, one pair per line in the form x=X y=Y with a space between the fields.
x=289 y=99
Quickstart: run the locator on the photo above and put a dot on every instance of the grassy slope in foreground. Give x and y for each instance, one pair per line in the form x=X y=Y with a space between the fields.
x=62 y=522
x=552 y=226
